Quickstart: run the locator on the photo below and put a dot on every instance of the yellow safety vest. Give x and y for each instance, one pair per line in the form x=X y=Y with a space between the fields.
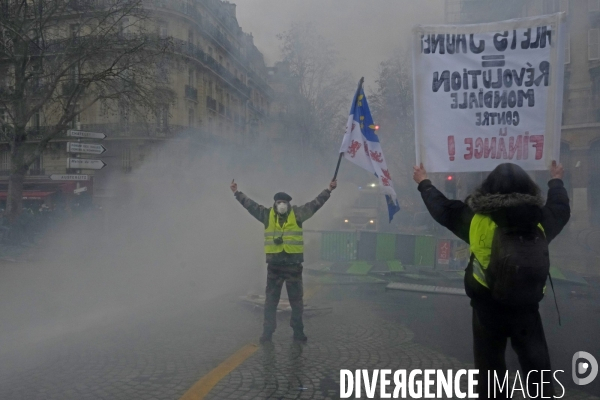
x=290 y=232
x=481 y=234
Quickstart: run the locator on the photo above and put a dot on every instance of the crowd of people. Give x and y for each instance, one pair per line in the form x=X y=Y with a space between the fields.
x=29 y=225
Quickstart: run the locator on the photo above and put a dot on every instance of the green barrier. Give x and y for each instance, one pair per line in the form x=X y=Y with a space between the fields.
x=338 y=246
x=359 y=268
x=425 y=251
x=557 y=273
x=386 y=247
x=395 y=266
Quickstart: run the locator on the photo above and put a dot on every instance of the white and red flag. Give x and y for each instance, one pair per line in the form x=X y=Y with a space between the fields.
x=362 y=147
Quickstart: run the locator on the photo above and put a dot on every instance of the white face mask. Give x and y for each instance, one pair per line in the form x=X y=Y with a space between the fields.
x=282 y=208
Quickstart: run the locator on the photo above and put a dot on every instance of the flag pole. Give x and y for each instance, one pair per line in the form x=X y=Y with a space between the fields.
x=338 y=166
x=360 y=83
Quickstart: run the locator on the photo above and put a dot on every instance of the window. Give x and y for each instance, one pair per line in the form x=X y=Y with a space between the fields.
x=74 y=31
x=593 y=5
x=162 y=117
x=76 y=122
x=191 y=74
x=568 y=48
x=162 y=72
x=124 y=28
x=74 y=75
x=191 y=36
x=220 y=59
x=103 y=108
x=126 y=159
x=3 y=116
x=593 y=44
x=594 y=184
x=37 y=167
x=4 y=160
x=36 y=121
x=162 y=30
x=191 y=117
x=552 y=6
x=124 y=111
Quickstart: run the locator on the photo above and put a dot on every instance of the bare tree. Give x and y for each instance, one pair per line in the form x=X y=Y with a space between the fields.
x=59 y=58
x=321 y=91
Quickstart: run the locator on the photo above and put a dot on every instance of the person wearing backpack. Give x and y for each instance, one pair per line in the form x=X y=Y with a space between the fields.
x=508 y=226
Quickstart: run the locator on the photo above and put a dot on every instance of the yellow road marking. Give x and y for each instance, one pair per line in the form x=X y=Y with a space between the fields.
x=207 y=382
x=210 y=380
x=308 y=293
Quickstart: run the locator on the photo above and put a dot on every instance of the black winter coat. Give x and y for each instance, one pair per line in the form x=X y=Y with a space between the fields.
x=515 y=210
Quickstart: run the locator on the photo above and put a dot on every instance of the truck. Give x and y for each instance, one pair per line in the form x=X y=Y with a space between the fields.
x=364 y=214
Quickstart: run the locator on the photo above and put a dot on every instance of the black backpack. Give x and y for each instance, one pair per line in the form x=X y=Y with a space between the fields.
x=519 y=266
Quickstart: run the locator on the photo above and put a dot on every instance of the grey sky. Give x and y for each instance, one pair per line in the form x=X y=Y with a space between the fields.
x=365 y=32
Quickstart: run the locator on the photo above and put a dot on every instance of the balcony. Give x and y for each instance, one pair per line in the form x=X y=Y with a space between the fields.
x=191 y=50
x=193 y=13
x=211 y=103
x=69 y=87
x=257 y=109
x=260 y=83
x=36 y=171
x=191 y=93
x=209 y=28
x=124 y=130
x=239 y=120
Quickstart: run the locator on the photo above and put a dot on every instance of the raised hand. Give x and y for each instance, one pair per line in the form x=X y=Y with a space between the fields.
x=233 y=186
x=332 y=185
x=419 y=173
x=556 y=170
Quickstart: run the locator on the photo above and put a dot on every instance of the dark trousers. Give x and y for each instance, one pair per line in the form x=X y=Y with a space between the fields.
x=491 y=329
x=292 y=276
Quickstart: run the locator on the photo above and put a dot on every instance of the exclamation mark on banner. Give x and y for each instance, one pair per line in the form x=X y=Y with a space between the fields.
x=451 y=148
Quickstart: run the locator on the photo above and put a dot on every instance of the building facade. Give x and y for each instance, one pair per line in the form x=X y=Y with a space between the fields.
x=219 y=79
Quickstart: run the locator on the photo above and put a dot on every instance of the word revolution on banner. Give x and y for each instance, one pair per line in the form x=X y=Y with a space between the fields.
x=490 y=93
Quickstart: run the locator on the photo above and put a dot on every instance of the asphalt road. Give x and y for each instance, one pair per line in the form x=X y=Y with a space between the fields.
x=443 y=323
x=160 y=349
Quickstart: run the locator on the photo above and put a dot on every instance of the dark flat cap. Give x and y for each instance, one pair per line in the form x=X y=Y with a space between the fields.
x=282 y=196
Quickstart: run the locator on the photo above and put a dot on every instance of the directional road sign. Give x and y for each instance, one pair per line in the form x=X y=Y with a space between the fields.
x=86 y=135
x=85 y=163
x=85 y=148
x=69 y=177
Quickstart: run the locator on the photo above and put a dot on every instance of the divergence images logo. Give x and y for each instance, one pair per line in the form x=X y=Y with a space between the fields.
x=584 y=363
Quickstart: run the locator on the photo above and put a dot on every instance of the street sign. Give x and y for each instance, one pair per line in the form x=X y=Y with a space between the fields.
x=68 y=177
x=85 y=135
x=85 y=148
x=85 y=163
x=80 y=190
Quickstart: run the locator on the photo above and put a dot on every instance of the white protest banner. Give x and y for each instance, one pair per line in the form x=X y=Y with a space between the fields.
x=489 y=93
